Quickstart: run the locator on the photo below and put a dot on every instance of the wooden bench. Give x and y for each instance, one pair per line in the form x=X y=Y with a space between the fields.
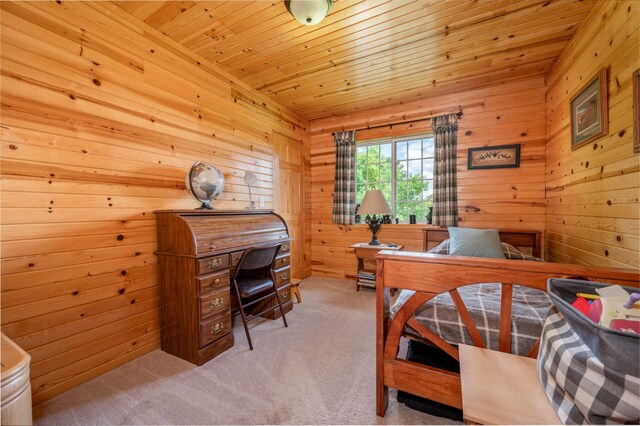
x=501 y=388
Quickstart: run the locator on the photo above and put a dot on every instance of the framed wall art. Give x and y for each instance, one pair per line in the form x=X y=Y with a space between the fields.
x=494 y=157
x=590 y=111
x=636 y=111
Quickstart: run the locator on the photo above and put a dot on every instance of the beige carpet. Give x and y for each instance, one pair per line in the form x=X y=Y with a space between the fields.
x=320 y=370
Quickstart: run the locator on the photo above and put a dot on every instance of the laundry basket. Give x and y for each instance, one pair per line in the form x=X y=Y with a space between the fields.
x=590 y=373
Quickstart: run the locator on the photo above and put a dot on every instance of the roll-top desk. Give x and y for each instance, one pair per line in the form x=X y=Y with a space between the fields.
x=198 y=251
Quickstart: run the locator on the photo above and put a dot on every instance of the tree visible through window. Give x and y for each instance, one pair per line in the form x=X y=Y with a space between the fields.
x=403 y=170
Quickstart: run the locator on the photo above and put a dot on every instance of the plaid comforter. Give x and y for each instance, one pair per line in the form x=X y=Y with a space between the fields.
x=529 y=310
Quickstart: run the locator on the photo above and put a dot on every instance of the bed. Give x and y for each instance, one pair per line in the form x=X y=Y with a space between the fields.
x=432 y=276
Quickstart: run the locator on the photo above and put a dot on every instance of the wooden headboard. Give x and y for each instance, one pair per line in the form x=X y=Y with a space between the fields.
x=529 y=242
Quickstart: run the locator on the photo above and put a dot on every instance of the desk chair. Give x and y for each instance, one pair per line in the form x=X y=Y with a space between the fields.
x=254 y=278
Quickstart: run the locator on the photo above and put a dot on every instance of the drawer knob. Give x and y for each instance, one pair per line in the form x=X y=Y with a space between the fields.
x=216 y=329
x=284 y=275
x=214 y=263
x=216 y=281
x=285 y=294
x=217 y=302
x=285 y=247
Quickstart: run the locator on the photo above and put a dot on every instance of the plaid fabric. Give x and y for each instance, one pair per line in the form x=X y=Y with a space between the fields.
x=344 y=190
x=529 y=309
x=442 y=248
x=581 y=388
x=445 y=191
x=510 y=252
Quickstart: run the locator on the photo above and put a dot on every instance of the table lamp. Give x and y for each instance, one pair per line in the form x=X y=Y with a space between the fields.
x=373 y=204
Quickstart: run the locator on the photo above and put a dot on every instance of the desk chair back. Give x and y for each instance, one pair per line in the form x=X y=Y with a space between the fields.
x=254 y=275
x=257 y=258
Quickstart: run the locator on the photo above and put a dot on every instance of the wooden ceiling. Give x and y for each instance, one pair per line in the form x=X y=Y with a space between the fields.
x=369 y=53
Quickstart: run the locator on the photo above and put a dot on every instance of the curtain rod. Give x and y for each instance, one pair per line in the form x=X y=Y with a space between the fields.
x=458 y=115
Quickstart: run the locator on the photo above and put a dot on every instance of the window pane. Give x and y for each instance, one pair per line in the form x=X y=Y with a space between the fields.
x=386 y=191
x=360 y=190
x=427 y=147
x=427 y=169
x=401 y=170
x=374 y=153
x=416 y=208
x=415 y=168
x=427 y=192
x=374 y=172
x=415 y=149
x=385 y=152
x=361 y=164
x=415 y=189
x=401 y=191
x=385 y=172
x=402 y=212
x=401 y=151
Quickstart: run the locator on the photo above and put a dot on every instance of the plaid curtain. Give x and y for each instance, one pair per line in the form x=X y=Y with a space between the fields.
x=445 y=193
x=344 y=190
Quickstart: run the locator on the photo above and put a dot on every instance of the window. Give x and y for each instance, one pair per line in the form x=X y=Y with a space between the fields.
x=403 y=170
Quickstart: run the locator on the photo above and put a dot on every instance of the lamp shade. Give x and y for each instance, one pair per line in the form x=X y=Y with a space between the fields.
x=374 y=203
x=309 y=12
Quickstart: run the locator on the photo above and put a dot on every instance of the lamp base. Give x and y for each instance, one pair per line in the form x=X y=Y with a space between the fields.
x=374 y=225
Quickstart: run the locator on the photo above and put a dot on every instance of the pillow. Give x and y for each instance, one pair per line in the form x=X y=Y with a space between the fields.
x=475 y=242
x=509 y=251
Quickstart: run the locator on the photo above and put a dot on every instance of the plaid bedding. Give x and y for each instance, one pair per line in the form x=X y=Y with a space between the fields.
x=529 y=310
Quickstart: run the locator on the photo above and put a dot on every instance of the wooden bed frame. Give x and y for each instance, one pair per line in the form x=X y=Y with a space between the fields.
x=430 y=275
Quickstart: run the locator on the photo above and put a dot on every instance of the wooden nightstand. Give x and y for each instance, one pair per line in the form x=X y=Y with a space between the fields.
x=366 y=255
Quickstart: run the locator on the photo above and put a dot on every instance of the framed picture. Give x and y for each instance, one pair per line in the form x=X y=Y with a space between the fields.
x=636 y=112
x=590 y=112
x=494 y=157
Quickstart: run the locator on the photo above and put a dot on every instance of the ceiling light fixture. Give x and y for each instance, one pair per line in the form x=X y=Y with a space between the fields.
x=309 y=12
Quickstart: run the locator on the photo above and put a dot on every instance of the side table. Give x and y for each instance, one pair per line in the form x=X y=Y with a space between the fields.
x=366 y=255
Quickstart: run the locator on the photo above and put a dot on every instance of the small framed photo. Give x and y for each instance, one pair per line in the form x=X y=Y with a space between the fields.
x=494 y=157
x=590 y=111
x=636 y=112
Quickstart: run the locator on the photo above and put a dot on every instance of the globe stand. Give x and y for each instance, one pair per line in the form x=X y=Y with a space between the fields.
x=206 y=205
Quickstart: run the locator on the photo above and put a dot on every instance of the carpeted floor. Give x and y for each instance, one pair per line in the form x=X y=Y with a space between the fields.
x=320 y=370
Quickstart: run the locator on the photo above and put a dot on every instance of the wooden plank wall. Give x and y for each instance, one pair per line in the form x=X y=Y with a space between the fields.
x=101 y=118
x=592 y=192
x=500 y=198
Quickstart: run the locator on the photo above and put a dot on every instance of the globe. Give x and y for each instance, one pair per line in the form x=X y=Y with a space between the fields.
x=205 y=183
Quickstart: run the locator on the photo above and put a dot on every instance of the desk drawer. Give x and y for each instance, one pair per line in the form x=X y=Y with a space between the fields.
x=285 y=247
x=235 y=258
x=213 y=281
x=214 y=303
x=282 y=260
x=214 y=328
x=212 y=264
x=284 y=294
x=282 y=276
